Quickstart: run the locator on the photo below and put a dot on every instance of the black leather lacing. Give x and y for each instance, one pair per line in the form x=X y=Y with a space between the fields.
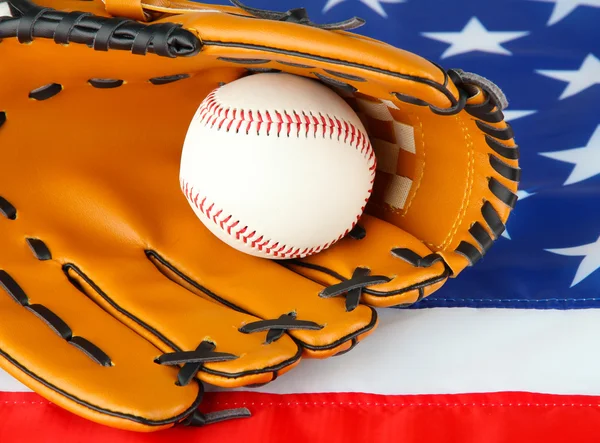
x=7 y=209
x=45 y=92
x=353 y=287
x=195 y=418
x=105 y=83
x=410 y=256
x=492 y=219
x=502 y=193
x=57 y=324
x=456 y=107
x=166 y=79
x=101 y=33
x=39 y=249
x=193 y=360
x=487 y=113
x=279 y=326
x=499 y=133
x=300 y=16
x=453 y=110
x=198 y=418
x=361 y=280
x=54 y=322
x=490 y=111
x=205 y=352
x=357 y=232
x=508 y=152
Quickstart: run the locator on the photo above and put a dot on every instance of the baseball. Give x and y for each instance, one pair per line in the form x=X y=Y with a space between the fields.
x=277 y=166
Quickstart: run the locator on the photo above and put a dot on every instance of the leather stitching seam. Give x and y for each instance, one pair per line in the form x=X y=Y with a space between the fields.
x=469 y=187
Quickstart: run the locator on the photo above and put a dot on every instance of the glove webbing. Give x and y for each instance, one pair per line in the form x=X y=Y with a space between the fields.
x=99 y=33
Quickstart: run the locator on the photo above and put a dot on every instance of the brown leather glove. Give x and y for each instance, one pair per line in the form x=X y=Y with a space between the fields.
x=115 y=297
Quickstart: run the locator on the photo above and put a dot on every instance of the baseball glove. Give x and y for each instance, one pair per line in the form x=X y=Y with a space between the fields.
x=115 y=299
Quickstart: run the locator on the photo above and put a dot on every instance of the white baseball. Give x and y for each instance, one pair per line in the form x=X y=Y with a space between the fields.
x=277 y=165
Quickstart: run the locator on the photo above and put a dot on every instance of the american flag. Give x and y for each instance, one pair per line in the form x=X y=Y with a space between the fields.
x=509 y=350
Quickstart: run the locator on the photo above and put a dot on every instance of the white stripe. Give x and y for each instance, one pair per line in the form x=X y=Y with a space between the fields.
x=456 y=350
x=460 y=350
x=7 y=383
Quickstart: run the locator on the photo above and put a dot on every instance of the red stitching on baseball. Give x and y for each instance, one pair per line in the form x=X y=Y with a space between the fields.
x=213 y=112
x=346 y=131
x=212 y=205
x=241 y=231
x=254 y=242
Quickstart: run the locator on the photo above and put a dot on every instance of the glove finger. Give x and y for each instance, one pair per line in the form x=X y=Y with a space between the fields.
x=402 y=268
x=59 y=343
x=262 y=288
x=176 y=320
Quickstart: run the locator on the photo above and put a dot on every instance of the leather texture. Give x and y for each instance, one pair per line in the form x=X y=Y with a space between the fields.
x=92 y=143
x=126 y=8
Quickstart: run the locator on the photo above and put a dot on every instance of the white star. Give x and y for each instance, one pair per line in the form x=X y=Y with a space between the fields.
x=513 y=115
x=590 y=262
x=586 y=159
x=522 y=194
x=375 y=5
x=5 y=10
x=587 y=75
x=475 y=37
x=562 y=8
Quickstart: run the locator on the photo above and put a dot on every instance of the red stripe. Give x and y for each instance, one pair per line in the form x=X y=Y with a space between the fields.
x=334 y=418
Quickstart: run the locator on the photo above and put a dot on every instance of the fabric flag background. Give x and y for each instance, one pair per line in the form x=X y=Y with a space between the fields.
x=508 y=351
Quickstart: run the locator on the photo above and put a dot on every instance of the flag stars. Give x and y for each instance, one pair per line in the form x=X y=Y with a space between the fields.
x=562 y=8
x=579 y=80
x=585 y=159
x=590 y=262
x=516 y=114
x=375 y=5
x=475 y=37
